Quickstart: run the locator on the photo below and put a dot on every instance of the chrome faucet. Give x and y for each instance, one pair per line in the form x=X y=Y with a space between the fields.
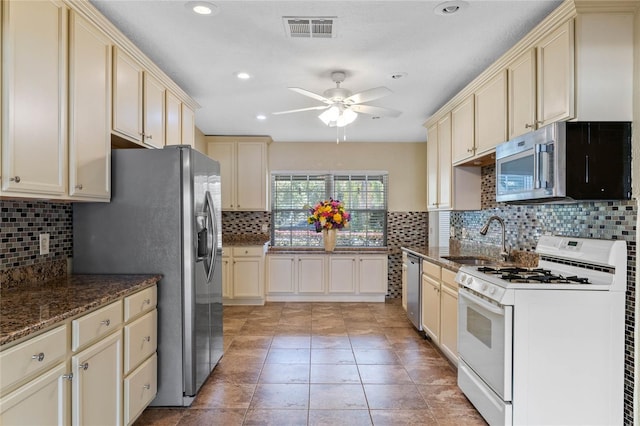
x=504 y=254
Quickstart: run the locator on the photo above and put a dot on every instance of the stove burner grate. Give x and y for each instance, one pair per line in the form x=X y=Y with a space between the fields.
x=533 y=275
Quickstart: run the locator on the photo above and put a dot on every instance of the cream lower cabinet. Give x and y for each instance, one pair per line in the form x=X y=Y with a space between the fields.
x=449 y=315
x=48 y=380
x=327 y=277
x=431 y=300
x=97 y=383
x=243 y=275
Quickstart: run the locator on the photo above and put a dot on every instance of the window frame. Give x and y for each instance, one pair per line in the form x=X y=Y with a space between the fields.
x=330 y=180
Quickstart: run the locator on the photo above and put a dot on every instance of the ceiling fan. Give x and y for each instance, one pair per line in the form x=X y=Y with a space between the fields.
x=342 y=107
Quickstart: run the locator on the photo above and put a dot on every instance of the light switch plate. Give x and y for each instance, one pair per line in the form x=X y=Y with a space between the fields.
x=44 y=243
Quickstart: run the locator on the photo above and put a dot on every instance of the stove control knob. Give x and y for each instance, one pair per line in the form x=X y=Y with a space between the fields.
x=469 y=281
x=492 y=290
x=463 y=277
x=485 y=286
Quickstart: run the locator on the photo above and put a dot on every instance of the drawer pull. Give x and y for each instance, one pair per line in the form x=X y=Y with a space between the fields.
x=147 y=301
x=84 y=366
x=147 y=386
x=15 y=179
x=39 y=357
x=79 y=187
x=106 y=322
x=68 y=376
x=146 y=339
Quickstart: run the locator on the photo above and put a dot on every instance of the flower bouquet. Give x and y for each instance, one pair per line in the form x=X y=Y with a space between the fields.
x=328 y=215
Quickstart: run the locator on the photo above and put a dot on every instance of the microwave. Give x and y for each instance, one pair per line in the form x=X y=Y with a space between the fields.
x=566 y=161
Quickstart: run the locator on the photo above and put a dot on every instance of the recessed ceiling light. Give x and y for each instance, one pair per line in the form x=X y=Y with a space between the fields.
x=261 y=117
x=450 y=7
x=243 y=75
x=202 y=7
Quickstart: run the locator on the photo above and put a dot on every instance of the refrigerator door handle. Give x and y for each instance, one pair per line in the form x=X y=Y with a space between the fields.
x=213 y=236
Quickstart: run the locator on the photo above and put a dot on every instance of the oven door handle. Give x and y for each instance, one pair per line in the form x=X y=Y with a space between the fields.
x=481 y=302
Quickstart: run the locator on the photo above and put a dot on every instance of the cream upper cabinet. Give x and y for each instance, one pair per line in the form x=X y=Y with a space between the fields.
x=243 y=171
x=34 y=98
x=439 y=164
x=521 y=78
x=89 y=111
x=173 y=120
x=127 y=96
x=462 y=130
x=555 y=77
x=491 y=114
x=188 y=126
x=154 y=110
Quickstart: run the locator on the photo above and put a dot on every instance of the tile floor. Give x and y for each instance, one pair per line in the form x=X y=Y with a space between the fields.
x=324 y=364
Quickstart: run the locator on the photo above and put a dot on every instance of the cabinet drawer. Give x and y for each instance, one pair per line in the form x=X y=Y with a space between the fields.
x=143 y=301
x=34 y=355
x=449 y=279
x=431 y=269
x=248 y=251
x=140 y=389
x=140 y=340
x=96 y=324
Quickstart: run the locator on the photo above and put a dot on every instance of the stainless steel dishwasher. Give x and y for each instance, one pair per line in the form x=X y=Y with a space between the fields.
x=414 y=296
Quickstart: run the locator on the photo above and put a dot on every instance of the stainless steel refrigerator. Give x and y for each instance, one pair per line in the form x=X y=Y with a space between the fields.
x=164 y=217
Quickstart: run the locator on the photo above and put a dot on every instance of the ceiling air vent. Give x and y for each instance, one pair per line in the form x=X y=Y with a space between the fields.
x=310 y=26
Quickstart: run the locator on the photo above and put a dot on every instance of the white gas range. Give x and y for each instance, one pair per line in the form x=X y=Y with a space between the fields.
x=545 y=345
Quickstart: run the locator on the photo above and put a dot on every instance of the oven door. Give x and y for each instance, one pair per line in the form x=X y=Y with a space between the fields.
x=485 y=341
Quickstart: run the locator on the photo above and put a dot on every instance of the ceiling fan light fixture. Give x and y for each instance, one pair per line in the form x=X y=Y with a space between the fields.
x=348 y=116
x=330 y=116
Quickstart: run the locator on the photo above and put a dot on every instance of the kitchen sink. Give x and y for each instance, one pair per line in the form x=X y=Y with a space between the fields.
x=471 y=260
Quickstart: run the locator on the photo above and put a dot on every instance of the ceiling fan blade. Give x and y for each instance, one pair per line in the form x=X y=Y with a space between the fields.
x=301 y=109
x=310 y=94
x=368 y=95
x=374 y=110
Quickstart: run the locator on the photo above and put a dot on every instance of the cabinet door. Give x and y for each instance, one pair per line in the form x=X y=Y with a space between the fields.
x=433 y=178
x=491 y=113
x=251 y=176
x=89 y=111
x=247 y=277
x=127 y=96
x=281 y=274
x=97 y=383
x=154 y=106
x=173 y=120
x=449 y=322
x=431 y=307
x=521 y=81
x=188 y=126
x=43 y=401
x=555 y=88
x=372 y=274
x=462 y=130
x=342 y=274
x=34 y=124
x=311 y=276
x=444 y=162
x=227 y=277
x=224 y=153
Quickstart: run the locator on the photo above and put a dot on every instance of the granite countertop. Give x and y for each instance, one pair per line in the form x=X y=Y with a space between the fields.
x=320 y=250
x=245 y=240
x=28 y=308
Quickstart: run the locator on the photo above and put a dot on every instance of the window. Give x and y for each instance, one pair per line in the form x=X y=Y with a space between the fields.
x=364 y=196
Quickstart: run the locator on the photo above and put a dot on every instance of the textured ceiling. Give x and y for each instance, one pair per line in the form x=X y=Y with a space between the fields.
x=375 y=39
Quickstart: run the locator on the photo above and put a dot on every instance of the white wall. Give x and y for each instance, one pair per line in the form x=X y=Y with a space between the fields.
x=405 y=162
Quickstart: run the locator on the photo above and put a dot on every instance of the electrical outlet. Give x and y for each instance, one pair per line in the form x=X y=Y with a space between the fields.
x=44 y=243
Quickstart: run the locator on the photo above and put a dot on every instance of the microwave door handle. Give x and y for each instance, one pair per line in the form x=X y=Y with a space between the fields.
x=537 y=153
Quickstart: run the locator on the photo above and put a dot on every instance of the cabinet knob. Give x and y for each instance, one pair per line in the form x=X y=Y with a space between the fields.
x=84 y=366
x=79 y=186
x=106 y=322
x=39 y=357
x=146 y=387
x=68 y=376
x=147 y=302
x=146 y=339
x=470 y=150
x=148 y=137
x=15 y=179
x=528 y=126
